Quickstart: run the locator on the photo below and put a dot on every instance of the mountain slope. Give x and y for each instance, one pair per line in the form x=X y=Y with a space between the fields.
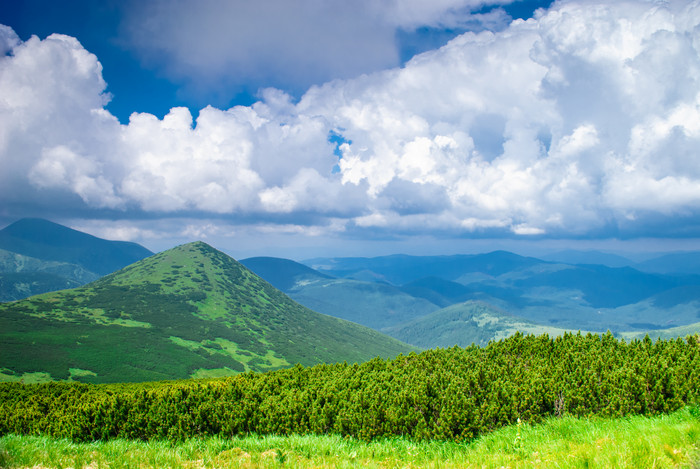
x=438 y=291
x=16 y=286
x=466 y=323
x=22 y=276
x=189 y=311
x=375 y=305
x=603 y=287
x=371 y=304
x=11 y=262
x=282 y=274
x=48 y=241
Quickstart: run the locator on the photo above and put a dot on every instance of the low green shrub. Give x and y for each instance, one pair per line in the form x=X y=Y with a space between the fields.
x=456 y=393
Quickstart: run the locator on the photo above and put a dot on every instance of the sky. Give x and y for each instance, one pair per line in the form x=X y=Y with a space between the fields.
x=303 y=128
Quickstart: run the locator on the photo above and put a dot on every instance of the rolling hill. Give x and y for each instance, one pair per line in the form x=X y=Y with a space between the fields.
x=466 y=323
x=561 y=295
x=191 y=311
x=539 y=295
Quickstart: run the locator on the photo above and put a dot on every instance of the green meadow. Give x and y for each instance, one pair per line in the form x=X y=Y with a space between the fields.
x=634 y=442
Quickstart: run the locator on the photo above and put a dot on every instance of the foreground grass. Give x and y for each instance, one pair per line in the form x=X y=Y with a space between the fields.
x=666 y=441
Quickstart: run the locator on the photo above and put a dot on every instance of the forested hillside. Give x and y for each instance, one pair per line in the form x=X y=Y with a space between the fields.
x=189 y=311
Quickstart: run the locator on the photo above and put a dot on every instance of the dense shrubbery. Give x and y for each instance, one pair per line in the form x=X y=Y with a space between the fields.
x=454 y=393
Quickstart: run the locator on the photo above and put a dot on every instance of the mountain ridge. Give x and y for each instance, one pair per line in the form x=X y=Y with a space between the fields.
x=46 y=240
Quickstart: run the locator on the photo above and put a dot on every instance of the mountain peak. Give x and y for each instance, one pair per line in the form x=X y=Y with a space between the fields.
x=41 y=230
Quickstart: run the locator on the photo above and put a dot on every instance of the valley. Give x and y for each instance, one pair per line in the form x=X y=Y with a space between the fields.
x=540 y=296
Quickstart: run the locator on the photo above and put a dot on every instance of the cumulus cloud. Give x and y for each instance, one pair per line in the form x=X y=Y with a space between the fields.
x=53 y=126
x=582 y=121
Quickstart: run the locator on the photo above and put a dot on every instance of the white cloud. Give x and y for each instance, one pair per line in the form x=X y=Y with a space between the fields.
x=565 y=124
x=52 y=117
x=8 y=39
x=524 y=229
x=61 y=167
x=116 y=231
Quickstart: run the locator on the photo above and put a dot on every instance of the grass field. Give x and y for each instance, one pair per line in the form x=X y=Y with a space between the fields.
x=636 y=442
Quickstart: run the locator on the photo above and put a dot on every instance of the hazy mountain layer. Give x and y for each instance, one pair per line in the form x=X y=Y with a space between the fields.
x=376 y=305
x=562 y=295
x=402 y=269
x=38 y=256
x=48 y=241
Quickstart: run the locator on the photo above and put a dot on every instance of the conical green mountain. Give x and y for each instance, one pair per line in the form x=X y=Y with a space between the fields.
x=188 y=312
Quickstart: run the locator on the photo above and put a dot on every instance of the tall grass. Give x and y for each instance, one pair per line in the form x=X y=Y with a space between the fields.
x=635 y=442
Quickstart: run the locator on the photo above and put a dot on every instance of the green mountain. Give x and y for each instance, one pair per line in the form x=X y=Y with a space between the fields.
x=191 y=311
x=466 y=323
x=48 y=241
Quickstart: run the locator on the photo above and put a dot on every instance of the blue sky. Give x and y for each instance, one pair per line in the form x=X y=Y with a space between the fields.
x=310 y=128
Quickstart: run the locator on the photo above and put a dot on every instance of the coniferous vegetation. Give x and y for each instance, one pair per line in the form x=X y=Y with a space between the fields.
x=447 y=394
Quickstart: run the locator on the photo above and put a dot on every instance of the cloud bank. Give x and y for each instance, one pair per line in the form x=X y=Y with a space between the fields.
x=581 y=122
